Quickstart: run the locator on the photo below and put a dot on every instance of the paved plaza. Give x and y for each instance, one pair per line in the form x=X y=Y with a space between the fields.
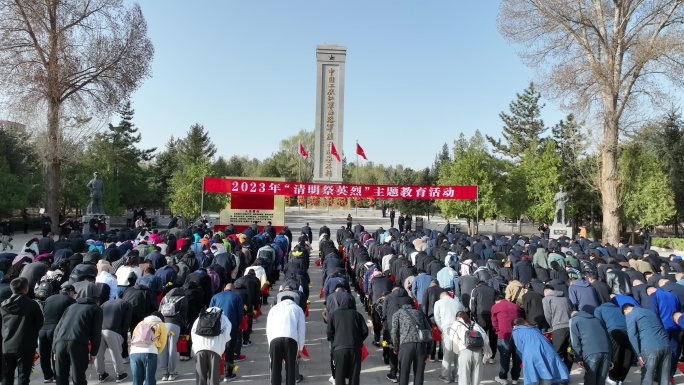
x=316 y=371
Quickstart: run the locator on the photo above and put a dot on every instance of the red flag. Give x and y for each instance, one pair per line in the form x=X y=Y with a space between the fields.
x=364 y=352
x=305 y=354
x=359 y=151
x=333 y=151
x=302 y=151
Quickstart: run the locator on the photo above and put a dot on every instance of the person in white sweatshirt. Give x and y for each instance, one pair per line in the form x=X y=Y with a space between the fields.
x=286 y=334
x=208 y=351
x=445 y=314
x=469 y=358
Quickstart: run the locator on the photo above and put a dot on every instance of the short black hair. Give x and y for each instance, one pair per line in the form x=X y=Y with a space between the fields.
x=627 y=306
x=19 y=285
x=499 y=297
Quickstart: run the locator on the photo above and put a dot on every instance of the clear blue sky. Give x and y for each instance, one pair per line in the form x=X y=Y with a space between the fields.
x=418 y=73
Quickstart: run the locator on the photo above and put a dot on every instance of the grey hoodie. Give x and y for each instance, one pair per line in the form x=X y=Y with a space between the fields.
x=557 y=310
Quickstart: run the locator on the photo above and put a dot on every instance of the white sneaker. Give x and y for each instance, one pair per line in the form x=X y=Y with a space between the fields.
x=331 y=379
x=610 y=382
x=491 y=361
x=500 y=381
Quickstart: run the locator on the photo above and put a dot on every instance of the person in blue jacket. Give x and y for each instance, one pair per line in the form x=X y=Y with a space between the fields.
x=665 y=304
x=420 y=283
x=650 y=343
x=592 y=347
x=541 y=363
x=623 y=356
x=233 y=308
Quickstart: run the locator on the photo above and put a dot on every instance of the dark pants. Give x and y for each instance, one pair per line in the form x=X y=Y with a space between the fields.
x=673 y=336
x=485 y=320
x=412 y=355
x=507 y=351
x=347 y=365
x=47 y=364
x=25 y=228
x=393 y=357
x=656 y=365
x=623 y=355
x=596 y=368
x=238 y=343
x=377 y=325
x=230 y=352
x=68 y=355
x=21 y=363
x=283 y=348
x=391 y=222
x=561 y=341
x=45 y=231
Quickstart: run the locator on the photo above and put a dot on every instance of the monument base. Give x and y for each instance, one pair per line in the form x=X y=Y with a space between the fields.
x=557 y=231
x=87 y=217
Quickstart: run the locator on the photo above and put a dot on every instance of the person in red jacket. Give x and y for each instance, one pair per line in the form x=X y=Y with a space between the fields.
x=503 y=314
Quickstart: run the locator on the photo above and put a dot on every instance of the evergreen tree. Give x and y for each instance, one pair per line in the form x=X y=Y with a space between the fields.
x=196 y=145
x=20 y=174
x=669 y=144
x=523 y=126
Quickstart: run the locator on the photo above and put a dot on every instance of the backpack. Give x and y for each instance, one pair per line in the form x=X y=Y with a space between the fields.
x=424 y=332
x=44 y=290
x=170 y=305
x=472 y=339
x=209 y=323
x=143 y=335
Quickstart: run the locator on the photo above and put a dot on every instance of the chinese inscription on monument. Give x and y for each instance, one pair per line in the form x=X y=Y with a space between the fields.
x=330 y=60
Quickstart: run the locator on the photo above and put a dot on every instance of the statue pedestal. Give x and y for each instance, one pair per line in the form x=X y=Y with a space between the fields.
x=558 y=230
x=86 y=219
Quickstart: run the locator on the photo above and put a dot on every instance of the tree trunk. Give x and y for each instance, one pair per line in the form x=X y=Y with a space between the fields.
x=53 y=169
x=610 y=181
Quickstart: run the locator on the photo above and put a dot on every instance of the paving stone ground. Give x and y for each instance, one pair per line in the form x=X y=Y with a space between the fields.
x=255 y=369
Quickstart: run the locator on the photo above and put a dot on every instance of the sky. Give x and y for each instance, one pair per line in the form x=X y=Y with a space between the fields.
x=418 y=73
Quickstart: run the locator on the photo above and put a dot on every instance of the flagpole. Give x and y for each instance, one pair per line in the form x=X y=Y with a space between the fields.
x=202 y=200
x=299 y=171
x=357 y=173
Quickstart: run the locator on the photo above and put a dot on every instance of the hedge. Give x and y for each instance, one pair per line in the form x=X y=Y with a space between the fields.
x=668 y=243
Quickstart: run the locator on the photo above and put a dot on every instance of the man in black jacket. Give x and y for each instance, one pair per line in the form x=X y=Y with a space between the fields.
x=347 y=330
x=21 y=321
x=81 y=324
x=116 y=320
x=481 y=303
x=393 y=302
x=53 y=309
x=307 y=230
x=46 y=244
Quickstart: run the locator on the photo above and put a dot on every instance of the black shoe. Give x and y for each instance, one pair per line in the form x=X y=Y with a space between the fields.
x=392 y=377
x=300 y=378
x=230 y=377
x=103 y=377
x=121 y=377
x=376 y=343
x=246 y=343
x=49 y=380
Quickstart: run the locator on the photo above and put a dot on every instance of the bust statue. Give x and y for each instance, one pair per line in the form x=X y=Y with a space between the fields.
x=561 y=198
x=96 y=187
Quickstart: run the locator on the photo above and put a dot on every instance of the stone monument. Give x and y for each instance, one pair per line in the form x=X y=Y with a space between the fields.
x=560 y=224
x=96 y=187
x=330 y=59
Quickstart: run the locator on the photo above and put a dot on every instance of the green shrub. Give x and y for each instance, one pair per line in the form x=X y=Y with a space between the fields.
x=668 y=243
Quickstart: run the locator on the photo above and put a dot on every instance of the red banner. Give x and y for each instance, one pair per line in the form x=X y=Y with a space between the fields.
x=260 y=187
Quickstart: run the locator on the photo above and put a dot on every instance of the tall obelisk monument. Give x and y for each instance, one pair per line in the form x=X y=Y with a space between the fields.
x=330 y=59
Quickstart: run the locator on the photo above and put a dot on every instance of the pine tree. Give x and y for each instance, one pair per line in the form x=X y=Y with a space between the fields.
x=196 y=145
x=523 y=126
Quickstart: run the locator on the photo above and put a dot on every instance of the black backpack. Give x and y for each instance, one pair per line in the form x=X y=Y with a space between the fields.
x=209 y=323
x=44 y=290
x=472 y=339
